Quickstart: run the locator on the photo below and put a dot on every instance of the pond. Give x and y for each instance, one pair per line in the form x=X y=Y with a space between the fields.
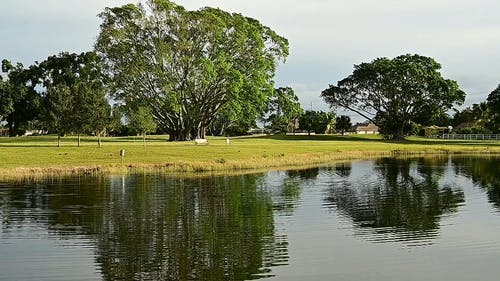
x=384 y=219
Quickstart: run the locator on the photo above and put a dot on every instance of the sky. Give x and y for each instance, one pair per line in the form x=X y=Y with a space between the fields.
x=327 y=37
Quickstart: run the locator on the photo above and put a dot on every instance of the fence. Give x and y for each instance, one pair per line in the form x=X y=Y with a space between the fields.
x=467 y=136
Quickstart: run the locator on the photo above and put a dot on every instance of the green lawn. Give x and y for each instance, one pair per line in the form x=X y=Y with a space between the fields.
x=25 y=154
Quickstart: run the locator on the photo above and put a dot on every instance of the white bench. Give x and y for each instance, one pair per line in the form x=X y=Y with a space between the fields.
x=200 y=141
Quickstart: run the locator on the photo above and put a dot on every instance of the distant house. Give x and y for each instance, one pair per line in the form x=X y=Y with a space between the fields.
x=366 y=129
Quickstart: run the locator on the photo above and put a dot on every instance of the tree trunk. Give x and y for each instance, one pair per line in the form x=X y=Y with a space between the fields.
x=200 y=132
x=58 y=140
x=183 y=135
x=12 y=127
x=99 y=140
x=144 y=139
x=11 y=131
x=399 y=135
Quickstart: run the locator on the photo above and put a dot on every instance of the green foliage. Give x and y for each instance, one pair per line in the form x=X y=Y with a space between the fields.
x=494 y=109
x=141 y=121
x=235 y=120
x=478 y=118
x=71 y=69
x=101 y=111
x=58 y=110
x=283 y=109
x=92 y=110
x=392 y=93
x=81 y=74
x=5 y=101
x=20 y=103
x=116 y=125
x=473 y=130
x=315 y=121
x=188 y=66
x=343 y=124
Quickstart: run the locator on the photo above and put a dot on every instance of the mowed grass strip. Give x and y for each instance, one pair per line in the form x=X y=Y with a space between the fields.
x=24 y=156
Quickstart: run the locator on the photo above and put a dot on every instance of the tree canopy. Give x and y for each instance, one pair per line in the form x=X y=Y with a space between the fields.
x=20 y=102
x=283 y=109
x=87 y=108
x=5 y=101
x=494 y=108
x=57 y=110
x=343 y=124
x=141 y=121
x=393 y=93
x=316 y=121
x=187 y=66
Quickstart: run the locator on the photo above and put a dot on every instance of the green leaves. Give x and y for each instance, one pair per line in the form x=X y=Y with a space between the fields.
x=141 y=120
x=394 y=92
x=20 y=103
x=6 y=105
x=284 y=109
x=316 y=121
x=187 y=66
x=343 y=123
x=58 y=108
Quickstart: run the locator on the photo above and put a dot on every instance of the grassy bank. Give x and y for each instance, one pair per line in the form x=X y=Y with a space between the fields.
x=35 y=156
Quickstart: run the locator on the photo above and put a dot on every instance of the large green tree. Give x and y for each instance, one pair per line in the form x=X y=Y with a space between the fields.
x=20 y=103
x=315 y=121
x=57 y=110
x=92 y=111
x=81 y=74
x=283 y=109
x=343 y=124
x=141 y=121
x=475 y=119
x=187 y=66
x=393 y=93
x=234 y=121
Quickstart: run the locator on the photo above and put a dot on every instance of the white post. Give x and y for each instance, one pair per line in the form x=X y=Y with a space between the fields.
x=122 y=154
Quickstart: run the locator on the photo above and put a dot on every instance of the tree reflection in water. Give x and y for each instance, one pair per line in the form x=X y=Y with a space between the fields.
x=287 y=195
x=394 y=200
x=484 y=172
x=159 y=228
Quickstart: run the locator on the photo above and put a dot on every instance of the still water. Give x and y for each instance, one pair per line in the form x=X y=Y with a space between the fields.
x=385 y=219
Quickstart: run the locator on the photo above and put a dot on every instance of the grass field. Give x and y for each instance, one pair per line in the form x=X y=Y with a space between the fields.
x=31 y=156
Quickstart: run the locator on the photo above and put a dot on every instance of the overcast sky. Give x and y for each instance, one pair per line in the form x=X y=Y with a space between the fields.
x=327 y=37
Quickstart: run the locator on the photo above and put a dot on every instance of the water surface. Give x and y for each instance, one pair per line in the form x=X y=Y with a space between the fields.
x=386 y=219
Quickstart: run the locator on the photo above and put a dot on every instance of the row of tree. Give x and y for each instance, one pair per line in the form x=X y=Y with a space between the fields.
x=480 y=118
x=194 y=71
x=406 y=92
x=64 y=94
x=190 y=73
